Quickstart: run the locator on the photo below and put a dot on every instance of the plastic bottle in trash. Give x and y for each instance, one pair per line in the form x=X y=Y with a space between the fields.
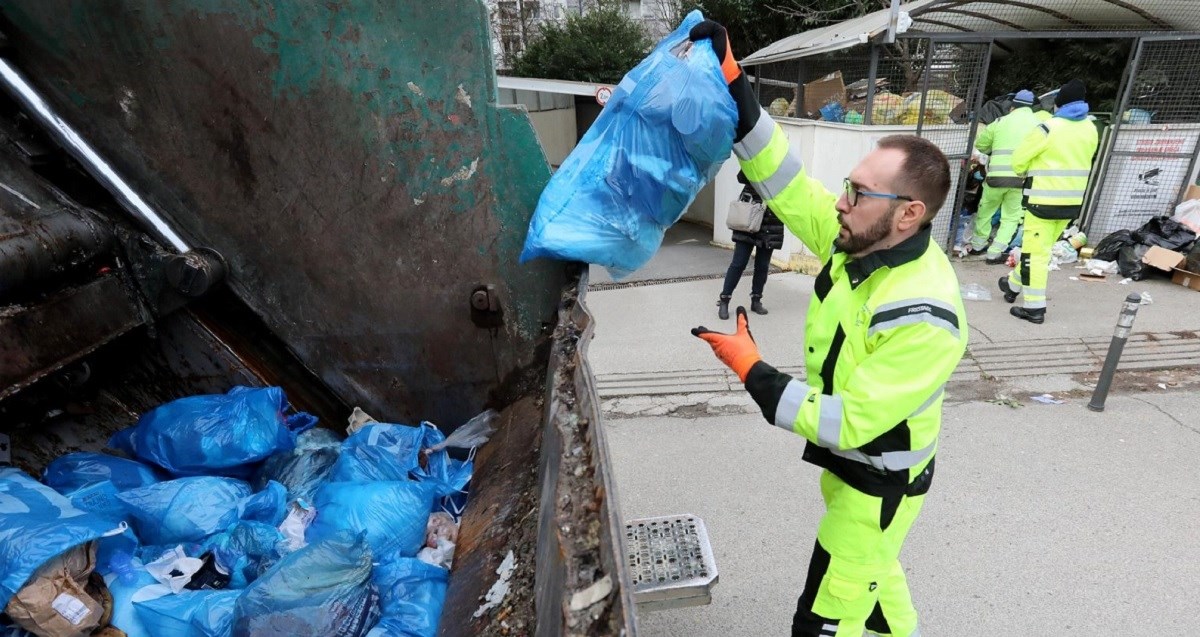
x=121 y=563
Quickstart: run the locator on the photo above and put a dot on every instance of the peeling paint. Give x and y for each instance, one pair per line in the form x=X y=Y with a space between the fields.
x=461 y=97
x=462 y=174
x=415 y=89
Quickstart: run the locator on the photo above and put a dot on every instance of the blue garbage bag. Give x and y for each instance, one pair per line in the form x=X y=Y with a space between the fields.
x=321 y=590
x=393 y=513
x=82 y=469
x=394 y=453
x=245 y=551
x=202 y=613
x=663 y=134
x=219 y=434
x=101 y=499
x=36 y=524
x=125 y=576
x=411 y=595
x=304 y=468
x=191 y=509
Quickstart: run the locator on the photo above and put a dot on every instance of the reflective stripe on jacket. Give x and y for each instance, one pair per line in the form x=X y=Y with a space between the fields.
x=883 y=334
x=1000 y=139
x=1057 y=160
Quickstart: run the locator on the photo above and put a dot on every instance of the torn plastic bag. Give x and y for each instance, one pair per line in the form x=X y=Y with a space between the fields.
x=1165 y=232
x=1110 y=246
x=36 y=524
x=662 y=135
x=385 y=452
x=411 y=595
x=73 y=471
x=204 y=613
x=1129 y=262
x=245 y=551
x=473 y=433
x=191 y=509
x=322 y=590
x=218 y=434
x=304 y=468
x=393 y=514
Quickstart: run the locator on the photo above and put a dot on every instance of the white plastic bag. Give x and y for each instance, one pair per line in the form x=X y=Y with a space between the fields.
x=1188 y=213
x=473 y=433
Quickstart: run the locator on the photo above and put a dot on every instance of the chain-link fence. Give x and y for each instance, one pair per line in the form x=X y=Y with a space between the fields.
x=1152 y=146
x=926 y=87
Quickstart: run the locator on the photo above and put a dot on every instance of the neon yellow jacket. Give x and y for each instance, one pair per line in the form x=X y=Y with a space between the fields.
x=1057 y=158
x=1000 y=139
x=883 y=334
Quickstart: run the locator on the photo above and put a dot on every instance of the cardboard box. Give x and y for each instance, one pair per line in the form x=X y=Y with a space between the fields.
x=1163 y=259
x=1171 y=261
x=1193 y=192
x=1187 y=279
x=823 y=91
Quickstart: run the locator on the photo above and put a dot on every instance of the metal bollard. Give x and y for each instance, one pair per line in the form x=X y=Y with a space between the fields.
x=1120 y=335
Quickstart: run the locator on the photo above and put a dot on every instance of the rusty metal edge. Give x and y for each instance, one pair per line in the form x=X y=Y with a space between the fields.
x=569 y=355
x=88 y=337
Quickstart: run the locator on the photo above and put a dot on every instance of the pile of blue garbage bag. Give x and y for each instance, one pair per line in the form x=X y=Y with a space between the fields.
x=232 y=517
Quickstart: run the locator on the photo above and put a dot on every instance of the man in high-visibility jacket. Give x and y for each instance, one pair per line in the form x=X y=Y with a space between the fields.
x=1002 y=189
x=885 y=329
x=1056 y=159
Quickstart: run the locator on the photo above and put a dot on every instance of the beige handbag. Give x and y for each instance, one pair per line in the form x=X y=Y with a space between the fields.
x=745 y=214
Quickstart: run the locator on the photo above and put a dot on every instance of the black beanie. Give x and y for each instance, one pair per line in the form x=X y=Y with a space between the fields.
x=1072 y=91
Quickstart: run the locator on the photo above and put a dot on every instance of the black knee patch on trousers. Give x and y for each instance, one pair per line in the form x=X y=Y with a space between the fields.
x=1025 y=269
x=806 y=623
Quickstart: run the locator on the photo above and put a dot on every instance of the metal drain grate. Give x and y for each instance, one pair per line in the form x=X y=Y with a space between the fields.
x=670 y=562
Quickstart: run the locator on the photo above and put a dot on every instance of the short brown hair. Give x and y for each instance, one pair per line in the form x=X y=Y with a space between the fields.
x=925 y=173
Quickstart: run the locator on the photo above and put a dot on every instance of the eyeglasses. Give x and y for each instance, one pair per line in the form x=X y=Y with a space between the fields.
x=852 y=194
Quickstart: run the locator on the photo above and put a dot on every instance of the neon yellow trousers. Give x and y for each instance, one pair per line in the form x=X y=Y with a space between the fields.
x=1031 y=274
x=855 y=581
x=1008 y=200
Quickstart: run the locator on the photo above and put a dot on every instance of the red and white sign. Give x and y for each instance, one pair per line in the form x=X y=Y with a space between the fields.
x=603 y=94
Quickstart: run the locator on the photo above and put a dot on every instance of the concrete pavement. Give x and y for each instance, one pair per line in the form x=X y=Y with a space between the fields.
x=1043 y=519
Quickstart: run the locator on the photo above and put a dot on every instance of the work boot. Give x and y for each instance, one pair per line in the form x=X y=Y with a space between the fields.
x=974 y=252
x=1009 y=295
x=723 y=308
x=756 y=305
x=1037 y=317
x=996 y=260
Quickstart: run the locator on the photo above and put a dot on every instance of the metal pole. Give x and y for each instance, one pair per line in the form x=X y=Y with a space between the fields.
x=1120 y=335
x=929 y=45
x=872 y=74
x=893 y=21
x=100 y=169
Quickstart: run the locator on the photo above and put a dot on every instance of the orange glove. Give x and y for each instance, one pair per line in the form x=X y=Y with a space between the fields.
x=719 y=36
x=736 y=350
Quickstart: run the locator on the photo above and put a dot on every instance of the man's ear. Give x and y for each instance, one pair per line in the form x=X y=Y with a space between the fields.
x=911 y=215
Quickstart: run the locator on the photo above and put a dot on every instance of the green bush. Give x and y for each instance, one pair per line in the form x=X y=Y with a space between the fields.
x=599 y=46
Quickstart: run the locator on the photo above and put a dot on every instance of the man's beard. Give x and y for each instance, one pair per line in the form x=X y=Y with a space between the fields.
x=856 y=243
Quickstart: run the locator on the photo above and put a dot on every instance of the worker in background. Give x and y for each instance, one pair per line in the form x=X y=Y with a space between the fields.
x=1056 y=159
x=885 y=329
x=1002 y=189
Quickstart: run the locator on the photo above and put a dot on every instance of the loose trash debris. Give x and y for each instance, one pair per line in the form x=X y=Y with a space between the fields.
x=975 y=292
x=330 y=537
x=499 y=589
x=1047 y=399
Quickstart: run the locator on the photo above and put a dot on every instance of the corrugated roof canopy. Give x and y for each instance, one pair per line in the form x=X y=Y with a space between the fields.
x=1001 y=18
